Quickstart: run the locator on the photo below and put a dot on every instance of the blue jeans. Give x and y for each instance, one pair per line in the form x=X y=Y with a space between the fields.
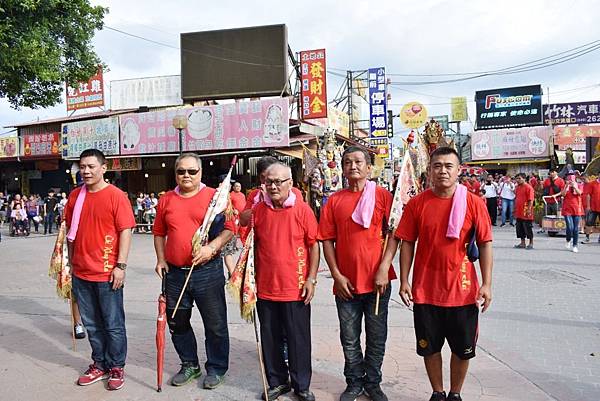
x=363 y=371
x=572 y=223
x=103 y=316
x=507 y=206
x=48 y=222
x=207 y=289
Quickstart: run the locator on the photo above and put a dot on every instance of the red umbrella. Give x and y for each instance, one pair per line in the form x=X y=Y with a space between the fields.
x=161 y=323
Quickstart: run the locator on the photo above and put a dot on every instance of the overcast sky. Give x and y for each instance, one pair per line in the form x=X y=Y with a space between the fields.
x=419 y=37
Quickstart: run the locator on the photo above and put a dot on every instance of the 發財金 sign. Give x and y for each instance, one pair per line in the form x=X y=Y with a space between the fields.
x=572 y=113
x=509 y=107
x=86 y=94
x=377 y=103
x=314 y=84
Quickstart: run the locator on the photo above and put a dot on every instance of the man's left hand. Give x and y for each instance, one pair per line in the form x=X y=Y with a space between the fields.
x=308 y=292
x=204 y=255
x=381 y=280
x=484 y=298
x=117 y=278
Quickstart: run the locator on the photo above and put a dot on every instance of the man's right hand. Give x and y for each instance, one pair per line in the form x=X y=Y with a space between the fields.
x=160 y=267
x=406 y=293
x=343 y=287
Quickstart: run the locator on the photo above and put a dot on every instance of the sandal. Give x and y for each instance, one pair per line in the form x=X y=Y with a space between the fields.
x=521 y=246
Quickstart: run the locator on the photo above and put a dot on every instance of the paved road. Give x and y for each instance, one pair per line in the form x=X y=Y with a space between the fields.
x=536 y=341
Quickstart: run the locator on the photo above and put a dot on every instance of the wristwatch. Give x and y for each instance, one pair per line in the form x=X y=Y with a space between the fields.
x=313 y=281
x=121 y=266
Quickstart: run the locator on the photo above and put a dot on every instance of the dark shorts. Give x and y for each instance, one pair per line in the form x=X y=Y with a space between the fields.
x=524 y=229
x=591 y=217
x=434 y=324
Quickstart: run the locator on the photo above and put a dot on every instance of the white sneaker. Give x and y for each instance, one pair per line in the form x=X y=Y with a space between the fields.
x=568 y=245
x=575 y=249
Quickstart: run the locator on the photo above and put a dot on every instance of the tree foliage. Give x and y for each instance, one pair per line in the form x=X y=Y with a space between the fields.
x=43 y=44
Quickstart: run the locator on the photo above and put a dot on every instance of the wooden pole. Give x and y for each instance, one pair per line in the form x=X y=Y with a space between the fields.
x=260 y=356
x=72 y=321
x=387 y=237
x=187 y=280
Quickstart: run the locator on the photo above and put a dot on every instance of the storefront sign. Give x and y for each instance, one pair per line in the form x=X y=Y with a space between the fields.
x=101 y=134
x=124 y=164
x=86 y=94
x=337 y=120
x=36 y=145
x=509 y=107
x=413 y=115
x=516 y=143
x=459 y=108
x=442 y=120
x=572 y=113
x=254 y=124
x=9 y=146
x=151 y=92
x=377 y=103
x=579 y=157
x=570 y=135
x=314 y=84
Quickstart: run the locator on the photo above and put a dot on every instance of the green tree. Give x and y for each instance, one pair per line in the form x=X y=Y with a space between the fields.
x=43 y=44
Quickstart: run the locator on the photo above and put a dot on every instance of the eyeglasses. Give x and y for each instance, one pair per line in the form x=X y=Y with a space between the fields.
x=277 y=183
x=189 y=171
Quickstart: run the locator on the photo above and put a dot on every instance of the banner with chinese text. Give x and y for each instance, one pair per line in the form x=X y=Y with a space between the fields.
x=9 y=146
x=101 y=134
x=86 y=94
x=572 y=113
x=574 y=135
x=314 y=84
x=124 y=164
x=459 y=108
x=377 y=103
x=36 y=145
x=509 y=107
x=514 y=143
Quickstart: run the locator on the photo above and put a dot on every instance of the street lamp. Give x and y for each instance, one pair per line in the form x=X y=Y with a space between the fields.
x=180 y=123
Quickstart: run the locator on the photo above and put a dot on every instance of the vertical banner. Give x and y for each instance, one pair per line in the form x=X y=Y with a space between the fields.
x=86 y=94
x=377 y=103
x=459 y=109
x=314 y=84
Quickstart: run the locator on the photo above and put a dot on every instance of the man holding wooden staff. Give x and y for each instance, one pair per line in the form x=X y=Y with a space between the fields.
x=180 y=213
x=351 y=230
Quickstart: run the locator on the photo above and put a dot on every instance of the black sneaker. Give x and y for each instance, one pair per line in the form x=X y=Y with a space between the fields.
x=186 y=374
x=438 y=396
x=376 y=394
x=275 y=392
x=351 y=393
x=305 y=395
x=213 y=381
x=453 y=396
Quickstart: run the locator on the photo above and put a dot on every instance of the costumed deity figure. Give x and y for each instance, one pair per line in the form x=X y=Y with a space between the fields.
x=330 y=155
x=433 y=134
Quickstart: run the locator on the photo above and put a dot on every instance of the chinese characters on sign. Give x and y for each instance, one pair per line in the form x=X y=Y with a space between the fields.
x=515 y=143
x=459 y=108
x=377 y=103
x=509 y=107
x=102 y=134
x=9 y=147
x=124 y=164
x=572 y=113
x=47 y=144
x=87 y=94
x=314 y=84
x=575 y=135
x=413 y=115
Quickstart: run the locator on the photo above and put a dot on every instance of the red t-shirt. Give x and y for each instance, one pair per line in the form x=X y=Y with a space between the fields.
x=282 y=241
x=533 y=182
x=103 y=216
x=443 y=275
x=524 y=193
x=238 y=201
x=474 y=187
x=178 y=218
x=357 y=249
x=572 y=203
x=594 y=192
x=559 y=182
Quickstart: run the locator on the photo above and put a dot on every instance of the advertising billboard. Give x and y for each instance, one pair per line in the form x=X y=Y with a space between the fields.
x=573 y=135
x=86 y=94
x=509 y=107
x=150 y=92
x=377 y=103
x=9 y=146
x=37 y=145
x=514 y=143
x=413 y=115
x=458 y=106
x=572 y=113
x=101 y=134
x=314 y=84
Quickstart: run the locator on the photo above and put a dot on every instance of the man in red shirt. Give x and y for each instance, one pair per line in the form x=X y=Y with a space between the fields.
x=238 y=201
x=553 y=185
x=524 y=195
x=99 y=219
x=180 y=213
x=591 y=201
x=286 y=259
x=353 y=248
x=445 y=289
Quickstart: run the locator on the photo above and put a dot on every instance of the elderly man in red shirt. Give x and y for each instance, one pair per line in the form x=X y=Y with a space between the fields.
x=524 y=195
x=287 y=259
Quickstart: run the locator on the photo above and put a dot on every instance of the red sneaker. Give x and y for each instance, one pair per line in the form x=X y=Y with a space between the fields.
x=92 y=375
x=116 y=378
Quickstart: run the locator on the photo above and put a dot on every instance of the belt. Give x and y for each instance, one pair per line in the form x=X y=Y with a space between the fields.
x=172 y=266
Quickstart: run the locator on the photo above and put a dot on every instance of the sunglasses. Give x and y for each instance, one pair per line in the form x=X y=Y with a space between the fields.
x=191 y=172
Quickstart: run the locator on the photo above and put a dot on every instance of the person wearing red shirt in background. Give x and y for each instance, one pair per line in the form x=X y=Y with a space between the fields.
x=475 y=185
x=553 y=185
x=524 y=195
x=572 y=209
x=179 y=214
x=464 y=180
x=238 y=201
x=286 y=259
x=445 y=289
x=351 y=232
x=99 y=219
x=591 y=200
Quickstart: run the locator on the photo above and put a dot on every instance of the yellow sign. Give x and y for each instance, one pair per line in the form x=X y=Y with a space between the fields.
x=9 y=147
x=413 y=115
x=459 y=109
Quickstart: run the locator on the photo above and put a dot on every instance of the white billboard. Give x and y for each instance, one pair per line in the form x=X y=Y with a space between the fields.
x=151 y=92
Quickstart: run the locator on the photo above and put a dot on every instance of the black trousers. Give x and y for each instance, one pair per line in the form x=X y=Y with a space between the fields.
x=492 y=207
x=278 y=319
x=524 y=229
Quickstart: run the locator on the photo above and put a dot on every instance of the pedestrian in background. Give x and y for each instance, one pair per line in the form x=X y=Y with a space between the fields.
x=50 y=208
x=507 y=194
x=553 y=185
x=572 y=209
x=491 y=198
x=524 y=196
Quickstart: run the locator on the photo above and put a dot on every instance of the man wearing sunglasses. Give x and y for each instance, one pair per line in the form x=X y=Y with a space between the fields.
x=179 y=214
x=287 y=258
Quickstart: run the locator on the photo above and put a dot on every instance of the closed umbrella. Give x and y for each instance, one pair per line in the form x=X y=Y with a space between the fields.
x=161 y=323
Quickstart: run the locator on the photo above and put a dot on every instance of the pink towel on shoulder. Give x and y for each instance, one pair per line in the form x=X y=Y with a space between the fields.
x=289 y=202
x=77 y=214
x=458 y=212
x=363 y=212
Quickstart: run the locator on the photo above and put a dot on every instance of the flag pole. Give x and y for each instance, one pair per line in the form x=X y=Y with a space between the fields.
x=72 y=320
x=260 y=356
x=387 y=237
